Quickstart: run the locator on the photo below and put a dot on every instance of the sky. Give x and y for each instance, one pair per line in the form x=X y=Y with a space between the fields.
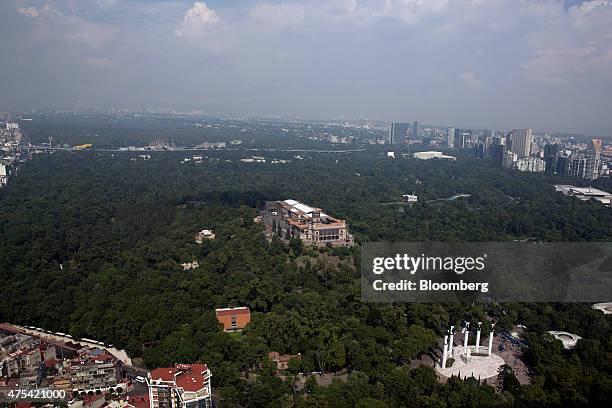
x=545 y=64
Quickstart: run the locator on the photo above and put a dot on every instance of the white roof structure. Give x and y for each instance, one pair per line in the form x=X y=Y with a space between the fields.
x=569 y=340
x=306 y=209
x=432 y=155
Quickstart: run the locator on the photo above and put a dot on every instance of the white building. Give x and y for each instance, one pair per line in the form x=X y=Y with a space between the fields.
x=531 y=164
x=585 y=193
x=432 y=155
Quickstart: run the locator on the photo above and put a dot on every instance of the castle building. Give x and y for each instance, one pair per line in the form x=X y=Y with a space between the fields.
x=293 y=219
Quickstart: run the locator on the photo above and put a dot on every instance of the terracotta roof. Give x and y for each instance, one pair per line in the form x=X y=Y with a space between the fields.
x=163 y=374
x=139 y=401
x=189 y=377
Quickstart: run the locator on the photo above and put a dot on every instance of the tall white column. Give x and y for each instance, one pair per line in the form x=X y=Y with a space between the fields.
x=465 y=340
x=478 y=336
x=491 y=339
x=451 y=343
x=445 y=350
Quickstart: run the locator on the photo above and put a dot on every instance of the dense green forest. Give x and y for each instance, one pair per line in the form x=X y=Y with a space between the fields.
x=120 y=226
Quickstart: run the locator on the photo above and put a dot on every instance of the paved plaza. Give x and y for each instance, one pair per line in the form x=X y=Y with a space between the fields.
x=476 y=366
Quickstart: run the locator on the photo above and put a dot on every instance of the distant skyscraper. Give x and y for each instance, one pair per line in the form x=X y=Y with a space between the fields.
x=551 y=151
x=415 y=129
x=450 y=137
x=461 y=138
x=521 y=142
x=398 y=133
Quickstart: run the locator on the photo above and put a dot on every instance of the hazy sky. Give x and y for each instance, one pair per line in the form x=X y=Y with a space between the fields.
x=545 y=64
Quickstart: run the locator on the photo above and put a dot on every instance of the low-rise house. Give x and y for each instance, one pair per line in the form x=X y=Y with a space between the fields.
x=282 y=360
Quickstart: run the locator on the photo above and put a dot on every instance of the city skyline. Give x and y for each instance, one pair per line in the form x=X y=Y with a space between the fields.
x=495 y=64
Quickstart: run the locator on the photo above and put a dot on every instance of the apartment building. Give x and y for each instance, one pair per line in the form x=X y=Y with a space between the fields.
x=181 y=386
x=233 y=318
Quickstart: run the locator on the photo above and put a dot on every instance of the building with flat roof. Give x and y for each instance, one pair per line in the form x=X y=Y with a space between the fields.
x=233 y=318
x=522 y=140
x=181 y=386
x=432 y=155
x=585 y=193
x=293 y=219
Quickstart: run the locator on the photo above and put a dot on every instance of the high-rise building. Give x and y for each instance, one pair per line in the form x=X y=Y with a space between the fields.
x=398 y=133
x=181 y=386
x=416 y=132
x=462 y=138
x=521 y=142
x=450 y=137
x=551 y=151
x=496 y=152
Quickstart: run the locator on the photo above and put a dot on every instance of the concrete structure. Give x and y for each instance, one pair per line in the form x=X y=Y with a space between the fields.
x=293 y=219
x=432 y=155
x=569 y=340
x=233 y=319
x=606 y=308
x=521 y=142
x=468 y=361
x=585 y=193
x=181 y=386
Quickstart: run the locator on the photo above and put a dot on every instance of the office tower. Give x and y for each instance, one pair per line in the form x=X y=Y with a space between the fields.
x=415 y=129
x=480 y=149
x=450 y=137
x=398 y=133
x=521 y=142
x=497 y=153
x=563 y=164
x=462 y=137
x=551 y=151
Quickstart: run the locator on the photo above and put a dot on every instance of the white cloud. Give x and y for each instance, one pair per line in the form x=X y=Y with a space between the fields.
x=198 y=21
x=471 y=79
x=31 y=12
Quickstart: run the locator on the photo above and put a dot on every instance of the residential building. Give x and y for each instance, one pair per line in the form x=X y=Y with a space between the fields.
x=233 y=318
x=450 y=137
x=293 y=219
x=94 y=370
x=181 y=386
x=530 y=164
